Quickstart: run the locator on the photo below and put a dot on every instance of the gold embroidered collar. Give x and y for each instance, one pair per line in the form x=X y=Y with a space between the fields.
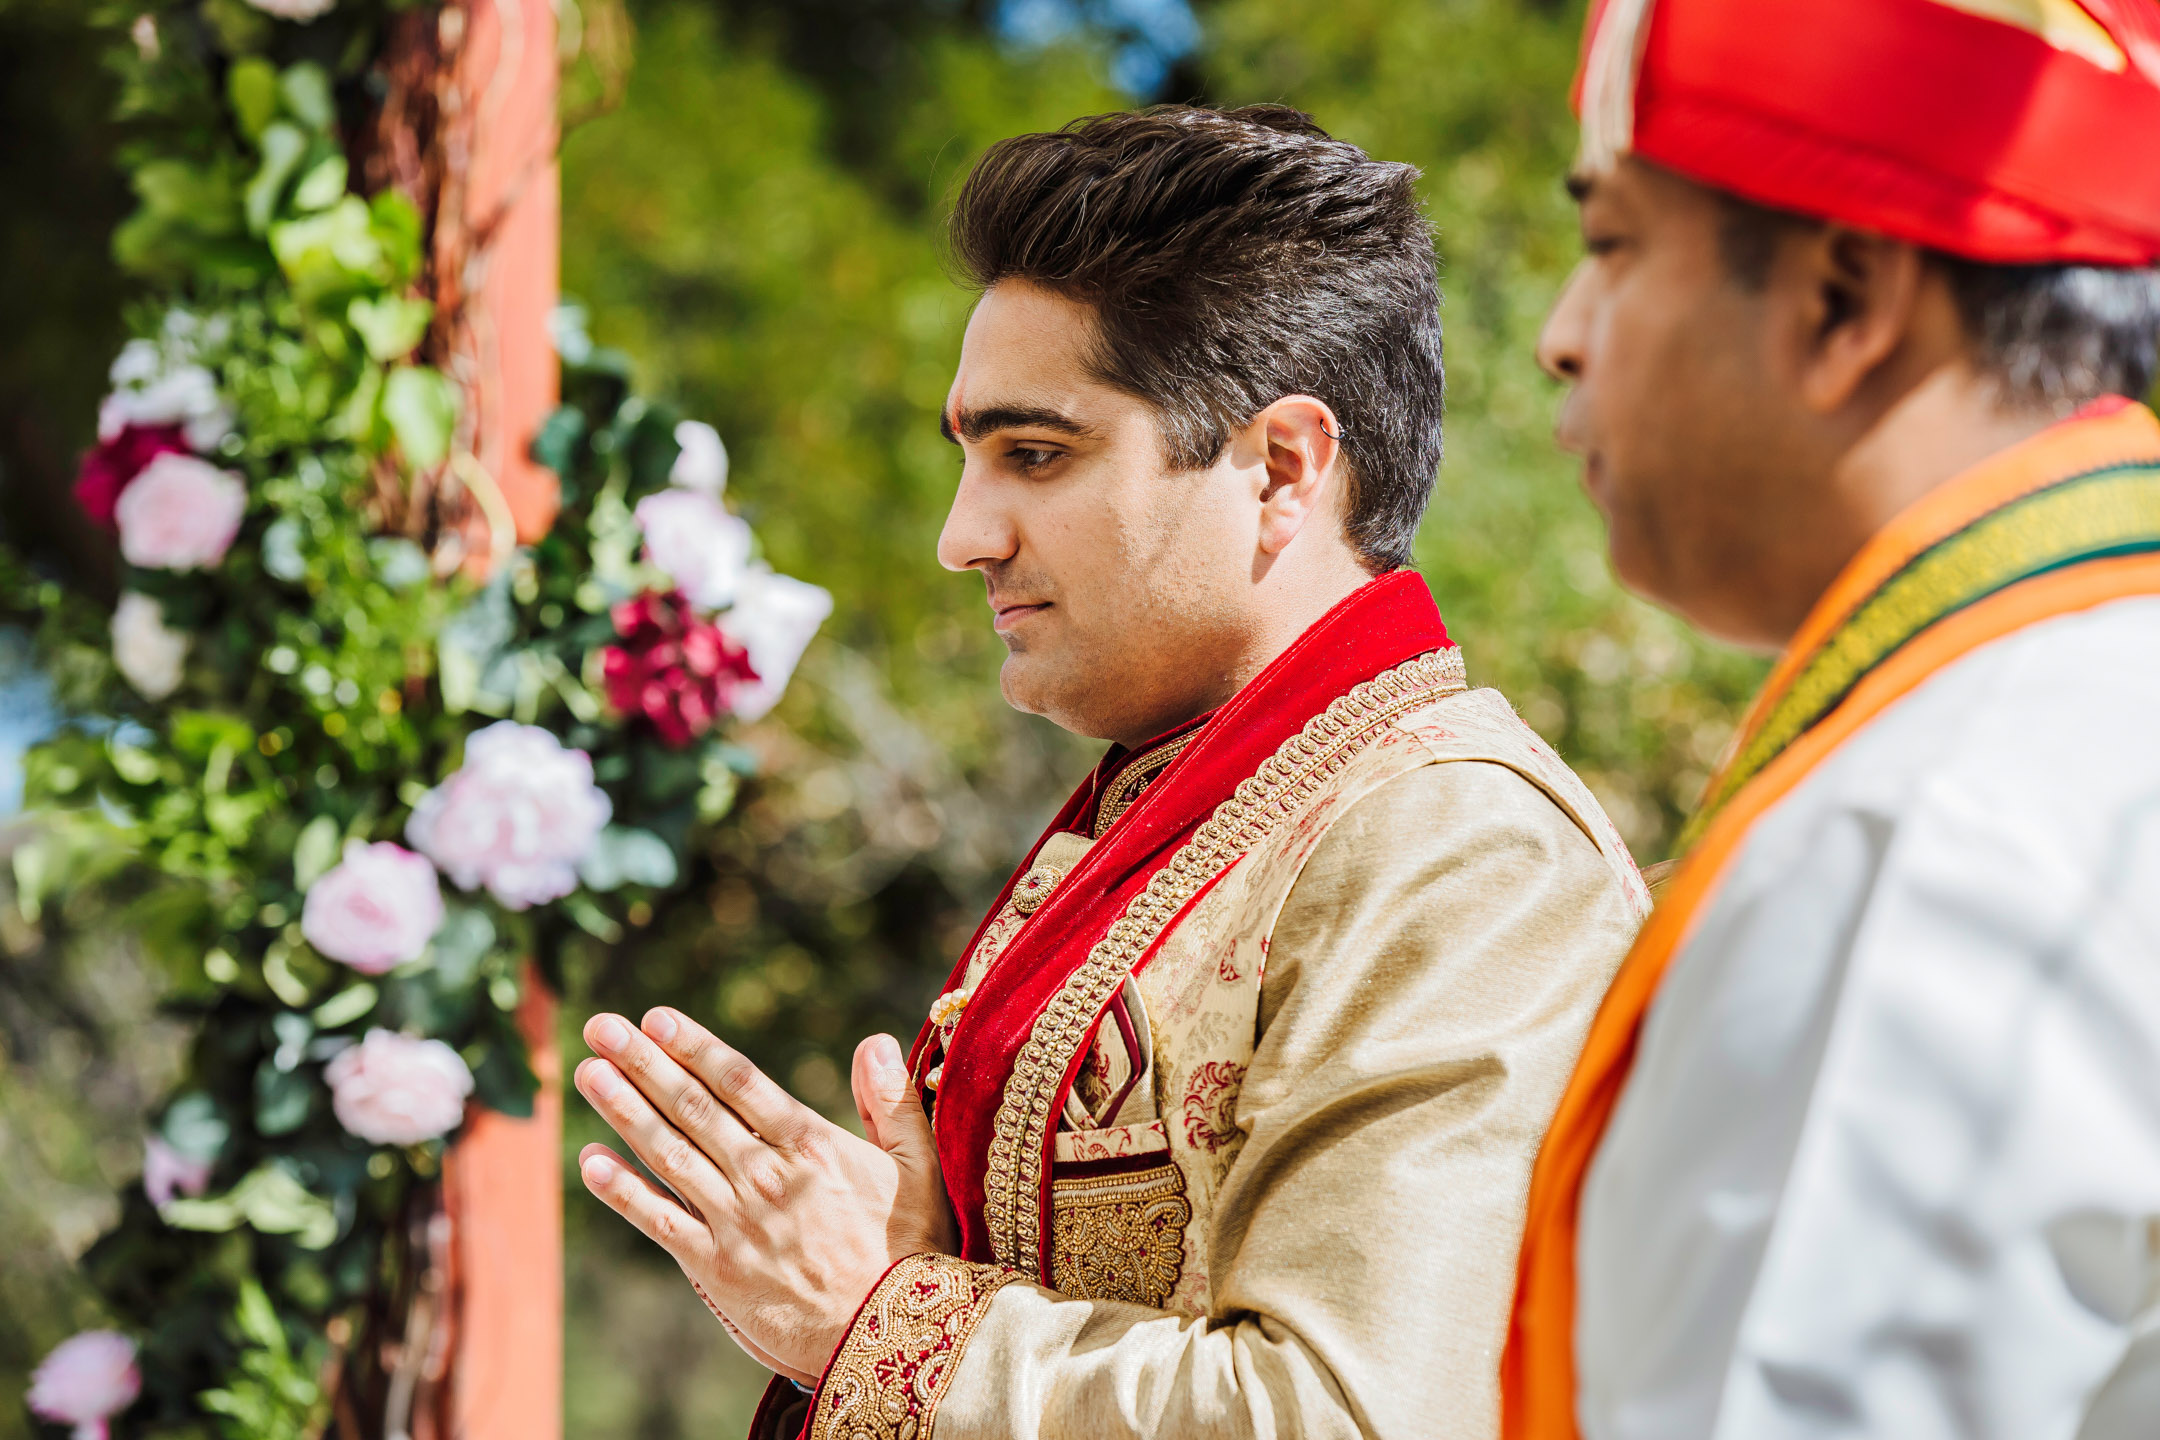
x=1133 y=777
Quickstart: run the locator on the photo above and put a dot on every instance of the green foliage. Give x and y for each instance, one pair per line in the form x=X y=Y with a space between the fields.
x=273 y=1394
x=336 y=659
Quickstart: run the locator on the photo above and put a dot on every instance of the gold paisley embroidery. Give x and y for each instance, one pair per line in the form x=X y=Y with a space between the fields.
x=1119 y=1237
x=899 y=1355
x=1134 y=778
x=1282 y=785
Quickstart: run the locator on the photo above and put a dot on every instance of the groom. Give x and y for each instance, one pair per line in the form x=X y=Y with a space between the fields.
x=1224 y=1122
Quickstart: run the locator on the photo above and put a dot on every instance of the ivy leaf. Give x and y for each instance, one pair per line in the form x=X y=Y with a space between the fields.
x=422 y=408
x=282 y=1099
x=622 y=855
x=346 y=1006
x=282 y=147
x=198 y=734
x=466 y=937
x=252 y=88
x=322 y=186
x=315 y=851
x=269 y=1200
x=389 y=327
x=306 y=88
x=397 y=230
x=334 y=249
x=557 y=445
x=195 y=1127
x=503 y=1081
x=258 y=1320
x=592 y=919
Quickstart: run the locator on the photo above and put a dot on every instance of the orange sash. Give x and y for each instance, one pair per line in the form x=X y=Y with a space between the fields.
x=1977 y=550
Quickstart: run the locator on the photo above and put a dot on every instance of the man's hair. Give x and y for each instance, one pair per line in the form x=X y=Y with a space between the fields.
x=2051 y=337
x=1233 y=257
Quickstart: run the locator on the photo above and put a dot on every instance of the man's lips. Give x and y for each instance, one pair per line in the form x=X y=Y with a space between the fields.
x=1009 y=615
x=1594 y=477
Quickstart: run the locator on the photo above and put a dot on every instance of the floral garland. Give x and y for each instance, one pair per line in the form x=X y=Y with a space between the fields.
x=340 y=786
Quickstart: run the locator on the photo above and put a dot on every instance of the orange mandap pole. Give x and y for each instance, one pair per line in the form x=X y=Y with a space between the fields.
x=502 y=1179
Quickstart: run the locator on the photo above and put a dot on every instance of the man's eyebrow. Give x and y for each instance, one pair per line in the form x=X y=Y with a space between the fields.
x=974 y=424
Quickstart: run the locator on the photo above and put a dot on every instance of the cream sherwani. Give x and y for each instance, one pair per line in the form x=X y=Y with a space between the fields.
x=1303 y=1221
x=1888 y=1162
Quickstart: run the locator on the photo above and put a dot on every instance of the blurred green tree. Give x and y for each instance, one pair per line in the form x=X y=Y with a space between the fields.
x=758 y=224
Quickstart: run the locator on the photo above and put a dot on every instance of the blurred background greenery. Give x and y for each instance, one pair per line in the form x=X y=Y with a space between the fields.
x=752 y=211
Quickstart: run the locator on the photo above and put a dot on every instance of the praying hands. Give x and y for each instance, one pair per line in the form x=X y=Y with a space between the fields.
x=783 y=1220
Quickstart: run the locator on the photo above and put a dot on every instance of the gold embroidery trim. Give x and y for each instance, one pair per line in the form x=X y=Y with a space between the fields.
x=1285 y=781
x=899 y=1355
x=1131 y=780
x=1119 y=1237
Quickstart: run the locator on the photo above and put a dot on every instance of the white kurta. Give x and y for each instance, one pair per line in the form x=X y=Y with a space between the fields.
x=1888 y=1163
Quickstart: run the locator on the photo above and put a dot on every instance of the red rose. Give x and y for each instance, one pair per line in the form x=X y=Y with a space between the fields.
x=677 y=671
x=107 y=469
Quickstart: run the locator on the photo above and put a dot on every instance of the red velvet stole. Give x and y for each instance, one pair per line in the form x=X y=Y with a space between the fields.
x=1381 y=625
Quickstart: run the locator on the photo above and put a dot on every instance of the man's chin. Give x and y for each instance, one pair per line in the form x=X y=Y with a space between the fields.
x=1017 y=681
x=1035 y=688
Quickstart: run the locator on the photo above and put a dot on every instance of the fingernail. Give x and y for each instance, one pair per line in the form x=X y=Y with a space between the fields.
x=609 y=1033
x=604 y=1081
x=597 y=1171
x=660 y=1025
x=885 y=1051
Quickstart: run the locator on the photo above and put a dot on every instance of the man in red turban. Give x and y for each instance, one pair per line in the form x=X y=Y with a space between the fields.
x=1866 y=1137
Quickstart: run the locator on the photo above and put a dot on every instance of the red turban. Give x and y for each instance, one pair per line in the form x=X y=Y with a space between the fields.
x=2012 y=131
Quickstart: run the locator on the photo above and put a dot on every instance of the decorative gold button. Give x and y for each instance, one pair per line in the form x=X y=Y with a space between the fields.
x=1035 y=887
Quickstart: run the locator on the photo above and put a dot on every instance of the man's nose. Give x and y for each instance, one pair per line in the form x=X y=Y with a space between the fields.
x=1562 y=342
x=978 y=531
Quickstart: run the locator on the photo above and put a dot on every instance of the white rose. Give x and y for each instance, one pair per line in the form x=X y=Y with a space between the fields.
x=138 y=363
x=696 y=543
x=180 y=513
x=702 y=465
x=294 y=9
x=148 y=653
x=517 y=817
x=145 y=393
x=774 y=618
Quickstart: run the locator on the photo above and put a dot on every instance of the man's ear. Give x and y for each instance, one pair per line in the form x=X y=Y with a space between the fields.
x=1856 y=298
x=1301 y=445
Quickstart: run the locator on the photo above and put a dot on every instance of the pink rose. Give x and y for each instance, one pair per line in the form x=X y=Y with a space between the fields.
x=375 y=909
x=691 y=537
x=166 y=1172
x=180 y=513
x=85 y=1381
x=392 y=1089
x=517 y=817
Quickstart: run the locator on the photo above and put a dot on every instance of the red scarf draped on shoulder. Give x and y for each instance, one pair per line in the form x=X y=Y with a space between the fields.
x=1381 y=625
